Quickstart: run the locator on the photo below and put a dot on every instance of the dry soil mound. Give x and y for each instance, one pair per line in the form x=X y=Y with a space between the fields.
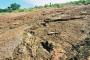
x=46 y=34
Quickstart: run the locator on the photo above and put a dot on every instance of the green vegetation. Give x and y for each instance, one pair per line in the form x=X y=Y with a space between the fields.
x=53 y=5
x=85 y=2
x=14 y=7
x=11 y=8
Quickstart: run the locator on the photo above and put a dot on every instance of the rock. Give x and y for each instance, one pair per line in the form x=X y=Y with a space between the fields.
x=63 y=17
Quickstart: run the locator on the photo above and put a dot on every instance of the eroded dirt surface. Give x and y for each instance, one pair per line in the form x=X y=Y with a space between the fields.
x=49 y=34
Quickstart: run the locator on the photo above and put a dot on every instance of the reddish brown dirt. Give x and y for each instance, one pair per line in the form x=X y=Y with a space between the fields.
x=46 y=34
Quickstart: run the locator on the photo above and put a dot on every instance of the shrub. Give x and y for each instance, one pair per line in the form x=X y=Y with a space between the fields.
x=14 y=6
x=81 y=2
x=53 y=5
x=11 y=8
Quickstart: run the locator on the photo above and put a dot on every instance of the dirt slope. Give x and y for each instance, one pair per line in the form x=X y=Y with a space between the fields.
x=46 y=34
